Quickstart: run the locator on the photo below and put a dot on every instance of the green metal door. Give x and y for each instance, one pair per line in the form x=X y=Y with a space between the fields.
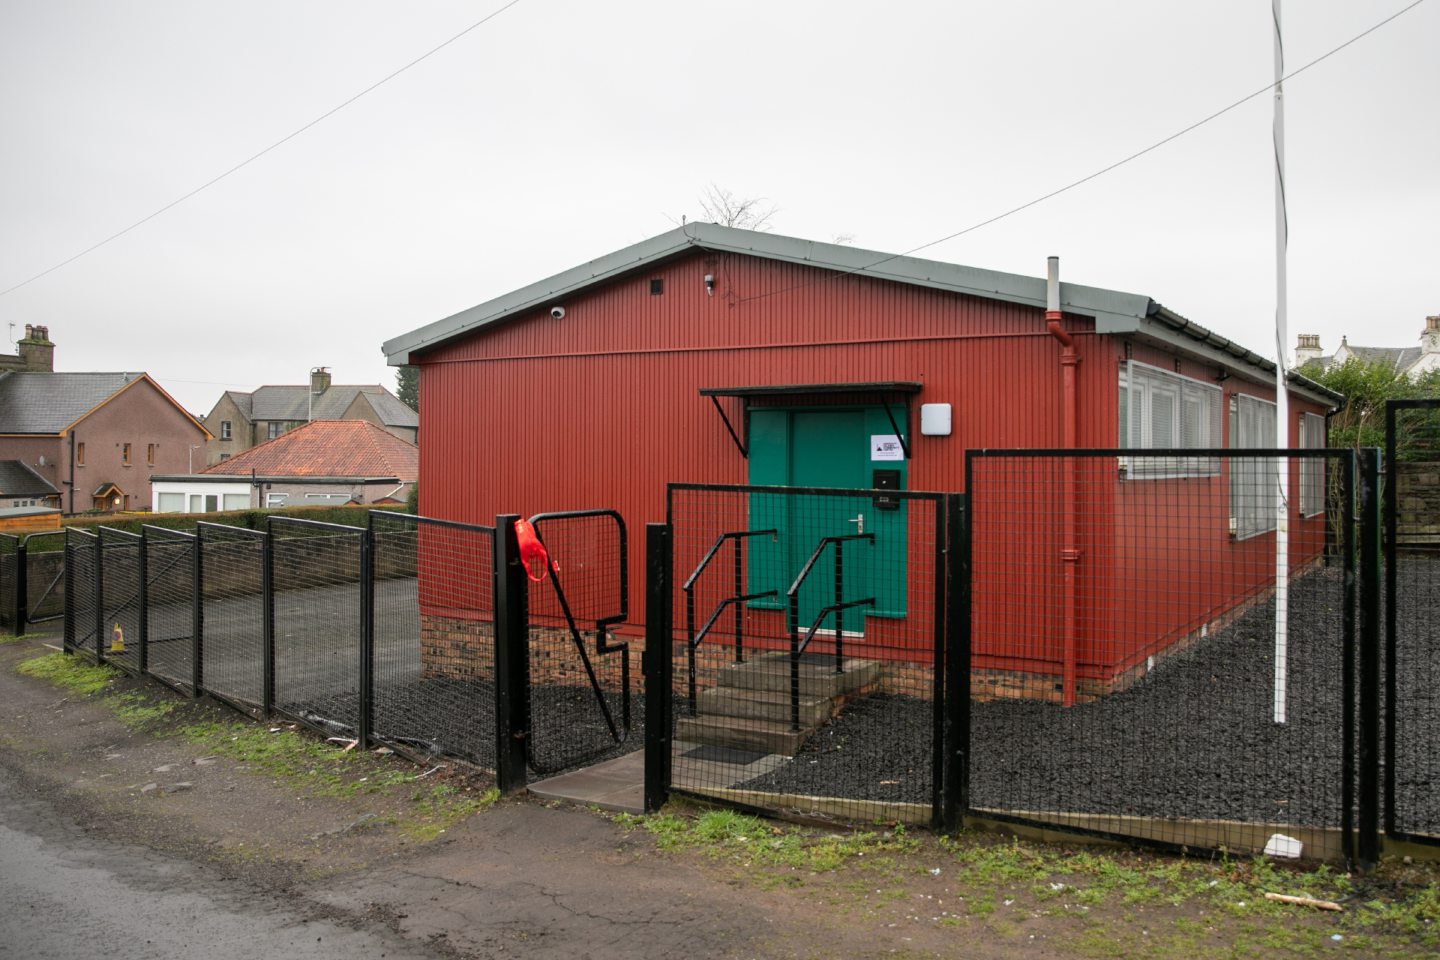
x=824 y=447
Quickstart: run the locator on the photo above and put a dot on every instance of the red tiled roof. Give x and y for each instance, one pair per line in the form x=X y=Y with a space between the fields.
x=328 y=448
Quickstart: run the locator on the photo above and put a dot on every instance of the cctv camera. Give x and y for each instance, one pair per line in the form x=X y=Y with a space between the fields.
x=557 y=312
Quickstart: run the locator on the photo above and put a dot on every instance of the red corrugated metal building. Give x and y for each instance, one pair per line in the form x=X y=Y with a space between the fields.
x=598 y=386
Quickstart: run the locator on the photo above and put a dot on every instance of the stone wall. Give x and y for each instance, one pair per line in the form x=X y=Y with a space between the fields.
x=1417 y=501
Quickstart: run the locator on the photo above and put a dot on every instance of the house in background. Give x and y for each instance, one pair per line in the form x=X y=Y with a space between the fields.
x=721 y=356
x=327 y=462
x=1411 y=362
x=21 y=486
x=240 y=421
x=94 y=438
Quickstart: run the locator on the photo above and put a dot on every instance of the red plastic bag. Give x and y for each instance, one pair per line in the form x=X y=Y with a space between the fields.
x=532 y=551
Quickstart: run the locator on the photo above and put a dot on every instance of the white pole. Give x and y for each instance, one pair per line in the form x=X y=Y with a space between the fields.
x=1282 y=405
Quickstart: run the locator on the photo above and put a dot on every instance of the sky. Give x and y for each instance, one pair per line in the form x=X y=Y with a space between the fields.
x=562 y=130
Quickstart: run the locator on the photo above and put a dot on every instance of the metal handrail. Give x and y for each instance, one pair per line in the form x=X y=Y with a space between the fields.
x=838 y=607
x=693 y=639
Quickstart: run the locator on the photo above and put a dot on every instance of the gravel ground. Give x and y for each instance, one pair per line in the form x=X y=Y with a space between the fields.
x=457 y=718
x=1193 y=740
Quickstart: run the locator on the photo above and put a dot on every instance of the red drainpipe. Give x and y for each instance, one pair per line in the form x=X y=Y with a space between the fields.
x=1069 y=551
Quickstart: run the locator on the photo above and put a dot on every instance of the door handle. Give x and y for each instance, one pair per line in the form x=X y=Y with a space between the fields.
x=859 y=523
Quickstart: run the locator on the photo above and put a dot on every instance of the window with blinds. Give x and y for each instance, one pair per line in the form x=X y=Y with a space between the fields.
x=1160 y=410
x=1254 y=481
x=1312 y=472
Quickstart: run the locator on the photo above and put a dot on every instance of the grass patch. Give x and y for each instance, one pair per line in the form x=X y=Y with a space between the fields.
x=726 y=834
x=441 y=806
x=7 y=638
x=138 y=711
x=70 y=673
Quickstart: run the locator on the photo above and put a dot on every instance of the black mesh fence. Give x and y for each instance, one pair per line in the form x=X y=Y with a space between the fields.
x=233 y=622
x=121 y=598
x=1412 y=620
x=316 y=616
x=170 y=605
x=44 y=577
x=1127 y=675
x=810 y=625
x=581 y=708
x=434 y=636
x=10 y=560
x=82 y=591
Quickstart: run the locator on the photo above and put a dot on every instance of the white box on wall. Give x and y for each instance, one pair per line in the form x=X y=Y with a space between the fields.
x=935 y=419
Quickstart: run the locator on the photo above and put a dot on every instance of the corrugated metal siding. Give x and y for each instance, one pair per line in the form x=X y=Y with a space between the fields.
x=601 y=408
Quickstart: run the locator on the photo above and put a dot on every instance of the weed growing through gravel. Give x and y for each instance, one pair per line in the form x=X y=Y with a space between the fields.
x=7 y=638
x=70 y=673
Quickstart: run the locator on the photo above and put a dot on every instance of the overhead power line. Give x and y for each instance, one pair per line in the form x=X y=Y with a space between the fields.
x=251 y=159
x=1102 y=171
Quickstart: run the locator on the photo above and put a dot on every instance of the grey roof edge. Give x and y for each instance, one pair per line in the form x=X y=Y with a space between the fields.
x=1169 y=326
x=1115 y=311
x=1075 y=298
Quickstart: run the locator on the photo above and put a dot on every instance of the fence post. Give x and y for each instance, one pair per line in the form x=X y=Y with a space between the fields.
x=267 y=604
x=197 y=614
x=367 y=637
x=143 y=562
x=512 y=658
x=22 y=586
x=952 y=686
x=959 y=510
x=99 y=598
x=1391 y=478
x=1368 y=808
x=67 y=641
x=658 y=665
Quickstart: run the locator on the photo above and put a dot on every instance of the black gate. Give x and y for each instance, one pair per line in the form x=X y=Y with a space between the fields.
x=1412 y=620
x=580 y=708
x=795 y=650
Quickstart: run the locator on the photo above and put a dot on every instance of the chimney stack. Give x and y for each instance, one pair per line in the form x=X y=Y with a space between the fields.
x=319 y=380
x=1307 y=349
x=36 y=351
x=1430 y=338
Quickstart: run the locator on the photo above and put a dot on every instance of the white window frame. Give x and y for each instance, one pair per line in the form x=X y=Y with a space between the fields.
x=1254 y=481
x=170 y=501
x=1312 y=470
x=329 y=497
x=273 y=500
x=235 y=501
x=225 y=430
x=1176 y=412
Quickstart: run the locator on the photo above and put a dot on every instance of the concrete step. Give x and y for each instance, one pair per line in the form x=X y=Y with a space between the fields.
x=818 y=678
x=772 y=705
x=762 y=736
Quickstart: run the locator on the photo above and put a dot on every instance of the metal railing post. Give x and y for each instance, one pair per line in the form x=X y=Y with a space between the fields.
x=658 y=665
x=367 y=638
x=99 y=593
x=22 y=586
x=1368 y=842
x=197 y=615
x=512 y=658
x=143 y=614
x=267 y=604
x=951 y=687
